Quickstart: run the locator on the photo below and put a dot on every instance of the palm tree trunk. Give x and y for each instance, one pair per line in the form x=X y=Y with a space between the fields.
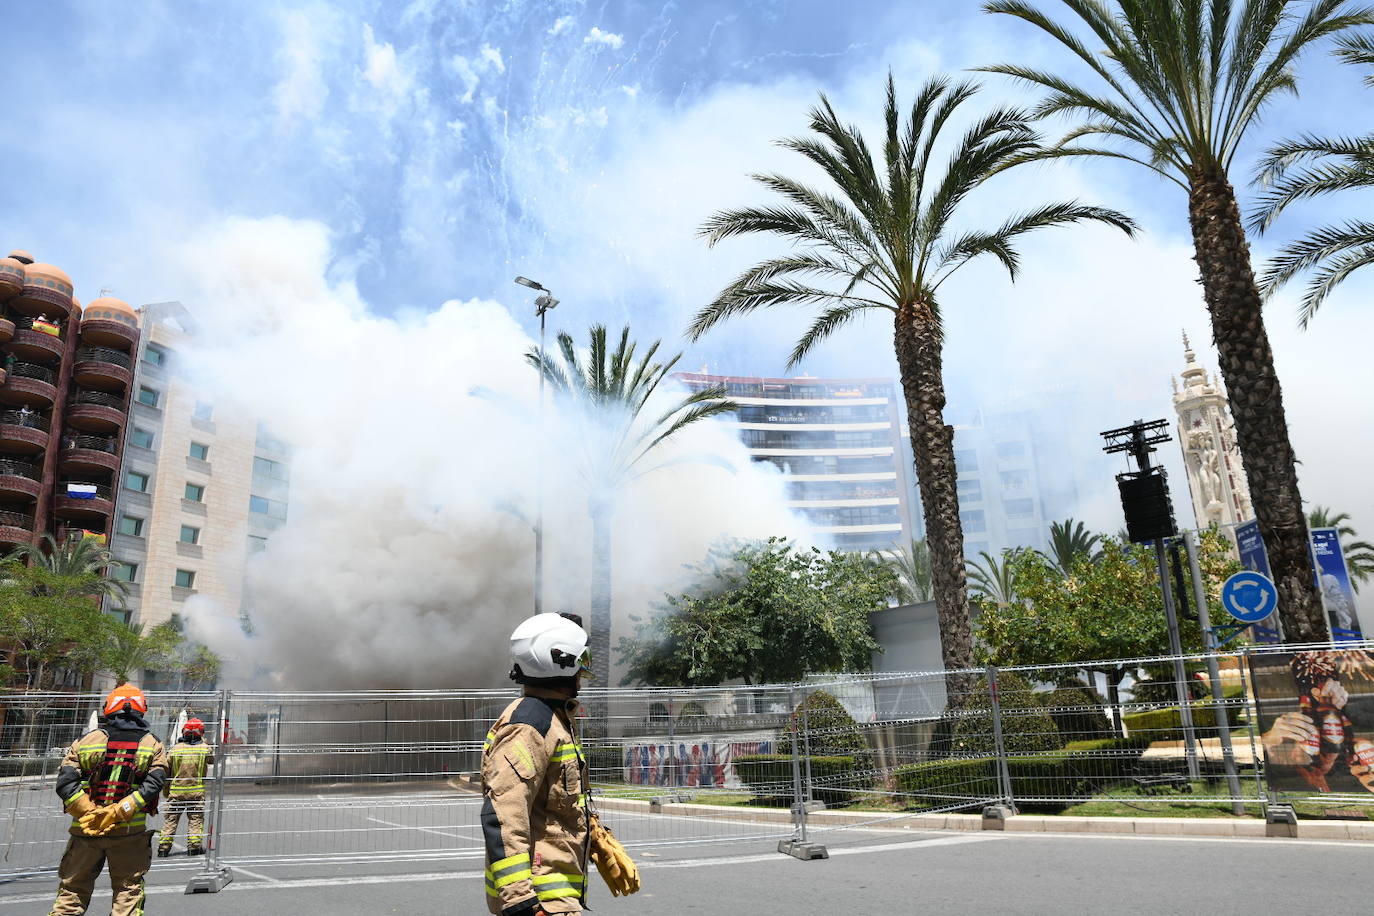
x=1247 y=366
x=918 y=344
x=599 y=625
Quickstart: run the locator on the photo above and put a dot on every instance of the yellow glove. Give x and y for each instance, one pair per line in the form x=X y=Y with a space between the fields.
x=80 y=806
x=102 y=820
x=616 y=867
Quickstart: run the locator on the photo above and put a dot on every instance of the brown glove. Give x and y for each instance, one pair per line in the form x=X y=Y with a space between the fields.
x=616 y=867
x=80 y=806
x=101 y=821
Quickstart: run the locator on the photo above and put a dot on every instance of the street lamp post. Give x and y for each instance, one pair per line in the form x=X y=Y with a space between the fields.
x=542 y=304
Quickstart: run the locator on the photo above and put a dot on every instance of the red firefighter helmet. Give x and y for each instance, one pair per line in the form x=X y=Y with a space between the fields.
x=123 y=696
x=193 y=727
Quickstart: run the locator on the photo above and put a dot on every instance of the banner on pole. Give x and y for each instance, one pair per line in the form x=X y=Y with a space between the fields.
x=1255 y=558
x=1333 y=581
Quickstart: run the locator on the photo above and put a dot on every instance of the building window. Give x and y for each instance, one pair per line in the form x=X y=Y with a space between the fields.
x=190 y=535
x=272 y=508
x=200 y=451
x=1015 y=480
x=1019 y=508
x=974 y=521
x=143 y=438
x=185 y=579
x=155 y=356
x=148 y=396
x=131 y=526
x=124 y=572
x=203 y=411
x=256 y=543
x=1011 y=450
x=135 y=481
x=195 y=492
x=970 y=489
x=272 y=470
x=966 y=460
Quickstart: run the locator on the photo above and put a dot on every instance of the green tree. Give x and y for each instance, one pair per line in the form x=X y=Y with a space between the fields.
x=994 y=580
x=129 y=650
x=1359 y=555
x=1182 y=84
x=1110 y=608
x=605 y=395
x=887 y=241
x=767 y=612
x=911 y=565
x=1070 y=540
x=51 y=621
x=1310 y=167
x=77 y=557
x=199 y=667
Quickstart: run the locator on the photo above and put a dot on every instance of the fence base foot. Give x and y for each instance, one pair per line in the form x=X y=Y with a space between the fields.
x=995 y=816
x=1280 y=820
x=658 y=801
x=804 y=851
x=209 y=882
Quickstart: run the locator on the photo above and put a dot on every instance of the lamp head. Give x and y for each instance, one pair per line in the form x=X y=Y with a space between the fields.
x=527 y=282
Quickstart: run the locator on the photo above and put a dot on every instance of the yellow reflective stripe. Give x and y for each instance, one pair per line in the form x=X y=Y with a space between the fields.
x=486 y=742
x=555 y=878
x=549 y=887
x=523 y=874
x=508 y=861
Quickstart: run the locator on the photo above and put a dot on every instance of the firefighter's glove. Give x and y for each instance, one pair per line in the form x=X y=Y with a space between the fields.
x=527 y=907
x=616 y=867
x=80 y=806
x=102 y=820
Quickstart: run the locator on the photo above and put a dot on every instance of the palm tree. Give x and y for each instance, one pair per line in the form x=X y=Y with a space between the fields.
x=1359 y=555
x=912 y=566
x=129 y=650
x=1328 y=165
x=1183 y=83
x=605 y=396
x=994 y=579
x=888 y=242
x=84 y=559
x=1070 y=540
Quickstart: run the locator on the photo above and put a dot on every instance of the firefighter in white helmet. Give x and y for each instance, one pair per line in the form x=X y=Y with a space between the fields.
x=536 y=823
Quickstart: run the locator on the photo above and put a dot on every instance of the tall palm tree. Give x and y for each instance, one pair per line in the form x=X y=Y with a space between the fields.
x=888 y=241
x=606 y=395
x=1070 y=540
x=1359 y=555
x=1183 y=84
x=993 y=578
x=912 y=566
x=1326 y=165
x=77 y=557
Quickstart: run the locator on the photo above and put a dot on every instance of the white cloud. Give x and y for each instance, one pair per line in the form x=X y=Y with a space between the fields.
x=470 y=71
x=384 y=72
x=561 y=25
x=598 y=37
x=302 y=90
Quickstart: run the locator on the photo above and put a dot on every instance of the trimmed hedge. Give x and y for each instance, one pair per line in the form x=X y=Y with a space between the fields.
x=1079 y=712
x=769 y=777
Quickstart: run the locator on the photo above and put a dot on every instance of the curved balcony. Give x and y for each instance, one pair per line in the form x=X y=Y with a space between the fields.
x=19 y=478
x=15 y=527
x=43 y=295
x=36 y=345
x=70 y=502
x=106 y=332
x=95 y=412
x=102 y=368
x=11 y=278
x=30 y=385
x=6 y=330
x=69 y=533
x=24 y=431
x=88 y=453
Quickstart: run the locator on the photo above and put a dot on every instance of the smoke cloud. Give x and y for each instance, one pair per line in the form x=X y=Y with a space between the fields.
x=408 y=554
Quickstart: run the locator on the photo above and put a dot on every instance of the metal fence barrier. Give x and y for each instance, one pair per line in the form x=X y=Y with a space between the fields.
x=389 y=776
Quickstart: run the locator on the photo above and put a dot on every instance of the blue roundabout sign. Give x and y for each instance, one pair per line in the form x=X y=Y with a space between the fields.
x=1249 y=597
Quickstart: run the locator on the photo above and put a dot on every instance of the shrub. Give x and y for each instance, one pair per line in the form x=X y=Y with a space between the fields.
x=607 y=762
x=1077 y=712
x=1026 y=727
x=831 y=731
x=769 y=778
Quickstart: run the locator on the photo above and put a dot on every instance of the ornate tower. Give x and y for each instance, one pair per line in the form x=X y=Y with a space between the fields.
x=1207 y=435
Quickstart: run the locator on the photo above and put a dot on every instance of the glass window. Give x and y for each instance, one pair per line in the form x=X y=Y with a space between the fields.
x=131 y=526
x=272 y=470
x=1019 y=508
x=185 y=579
x=135 y=481
x=970 y=489
x=1015 y=480
x=200 y=451
x=974 y=521
x=203 y=411
x=190 y=535
x=195 y=492
x=124 y=572
x=148 y=396
x=256 y=543
x=1011 y=449
x=143 y=438
x=155 y=356
x=272 y=508
x=966 y=459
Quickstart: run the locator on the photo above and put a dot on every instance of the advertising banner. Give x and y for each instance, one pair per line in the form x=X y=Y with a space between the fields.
x=1333 y=581
x=689 y=762
x=1255 y=558
x=1316 y=719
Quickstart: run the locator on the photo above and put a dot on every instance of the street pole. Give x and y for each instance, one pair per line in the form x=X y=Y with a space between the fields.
x=1185 y=708
x=539 y=480
x=1209 y=643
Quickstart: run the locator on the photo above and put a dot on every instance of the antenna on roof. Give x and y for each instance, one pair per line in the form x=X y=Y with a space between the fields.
x=106 y=291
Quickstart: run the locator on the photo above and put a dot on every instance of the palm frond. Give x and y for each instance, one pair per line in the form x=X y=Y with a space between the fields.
x=826 y=323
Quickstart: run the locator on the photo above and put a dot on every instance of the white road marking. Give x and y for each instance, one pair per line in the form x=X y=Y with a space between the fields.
x=252 y=874
x=457 y=836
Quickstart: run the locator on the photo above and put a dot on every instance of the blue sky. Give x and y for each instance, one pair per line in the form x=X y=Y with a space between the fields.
x=448 y=146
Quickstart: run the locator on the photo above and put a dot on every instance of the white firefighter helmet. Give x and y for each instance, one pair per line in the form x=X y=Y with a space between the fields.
x=549 y=645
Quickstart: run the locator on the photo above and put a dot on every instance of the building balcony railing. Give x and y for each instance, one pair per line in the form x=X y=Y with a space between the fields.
x=31 y=370
x=107 y=331
x=105 y=355
x=95 y=411
x=6 y=330
x=82 y=499
x=98 y=398
x=69 y=533
x=10 y=467
x=44 y=326
x=29 y=418
x=11 y=519
x=77 y=488
x=93 y=443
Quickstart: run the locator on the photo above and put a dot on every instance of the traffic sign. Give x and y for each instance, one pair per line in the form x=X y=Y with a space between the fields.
x=1249 y=597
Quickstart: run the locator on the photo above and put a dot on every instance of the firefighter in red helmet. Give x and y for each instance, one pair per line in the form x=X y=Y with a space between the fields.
x=191 y=759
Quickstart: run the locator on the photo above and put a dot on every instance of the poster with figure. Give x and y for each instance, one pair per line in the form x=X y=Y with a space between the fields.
x=698 y=763
x=1333 y=581
x=1255 y=558
x=1316 y=720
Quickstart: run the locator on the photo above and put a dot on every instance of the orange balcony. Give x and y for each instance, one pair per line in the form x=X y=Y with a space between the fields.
x=107 y=332
x=102 y=369
x=19 y=479
x=84 y=454
x=35 y=345
x=47 y=291
x=6 y=330
x=81 y=501
x=95 y=412
x=28 y=384
x=23 y=431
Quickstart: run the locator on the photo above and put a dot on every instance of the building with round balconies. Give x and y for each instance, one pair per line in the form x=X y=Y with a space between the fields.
x=66 y=375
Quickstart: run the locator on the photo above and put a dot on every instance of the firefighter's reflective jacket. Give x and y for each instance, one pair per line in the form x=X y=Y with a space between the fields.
x=534 y=810
x=190 y=761
x=109 y=764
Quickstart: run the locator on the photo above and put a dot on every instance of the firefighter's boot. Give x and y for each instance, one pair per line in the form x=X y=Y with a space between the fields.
x=164 y=851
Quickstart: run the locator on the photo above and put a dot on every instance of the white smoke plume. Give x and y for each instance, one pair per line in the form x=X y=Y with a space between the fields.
x=408 y=554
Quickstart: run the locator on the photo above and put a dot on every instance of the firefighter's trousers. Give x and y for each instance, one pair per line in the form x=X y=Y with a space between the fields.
x=193 y=806
x=129 y=858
